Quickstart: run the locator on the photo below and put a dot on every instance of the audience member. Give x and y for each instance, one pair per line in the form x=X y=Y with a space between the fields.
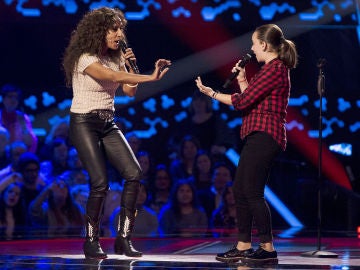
x=15 y=150
x=183 y=216
x=224 y=217
x=134 y=141
x=210 y=198
x=59 y=156
x=80 y=194
x=60 y=130
x=15 y=121
x=146 y=223
x=202 y=171
x=29 y=167
x=182 y=167
x=160 y=188
x=75 y=174
x=4 y=143
x=12 y=212
x=145 y=162
x=54 y=213
x=207 y=126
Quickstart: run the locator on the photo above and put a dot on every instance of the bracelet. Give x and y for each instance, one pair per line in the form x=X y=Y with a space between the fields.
x=244 y=80
x=132 y=85
x=214 y=94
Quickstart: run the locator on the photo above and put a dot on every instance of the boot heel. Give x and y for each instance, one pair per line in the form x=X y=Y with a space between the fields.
x=124 y=246
x=118 y=249
x=92 y=250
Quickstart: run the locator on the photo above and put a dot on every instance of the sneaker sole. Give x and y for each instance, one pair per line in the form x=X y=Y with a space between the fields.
x=228 y=260
x=260 y=261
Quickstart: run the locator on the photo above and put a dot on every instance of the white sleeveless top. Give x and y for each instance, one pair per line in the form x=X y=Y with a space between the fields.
x=91 y=94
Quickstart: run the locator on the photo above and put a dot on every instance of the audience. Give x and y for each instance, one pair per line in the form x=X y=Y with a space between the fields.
x=15 y=121
x=53 y=213
x=183 y=216
x=4 y=143
x=12 y=211
x=210 y=198
x=160 y=188
x=202 y=171
x=146 y=222
x=29 y=167
x=207 y=126
x=182 y=166
x=224 y=217
x=14 y=151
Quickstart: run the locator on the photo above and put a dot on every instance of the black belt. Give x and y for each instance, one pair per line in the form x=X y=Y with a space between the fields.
x=105 y=115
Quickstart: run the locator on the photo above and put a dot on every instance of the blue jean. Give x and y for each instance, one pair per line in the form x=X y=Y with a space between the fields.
x=252 y=174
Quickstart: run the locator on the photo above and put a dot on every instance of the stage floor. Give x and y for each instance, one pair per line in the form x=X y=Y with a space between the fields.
x=176 y=253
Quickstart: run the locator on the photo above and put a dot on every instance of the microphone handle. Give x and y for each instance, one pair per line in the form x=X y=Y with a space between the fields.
x=134 y=67
x=132 y=63
x=230 y=79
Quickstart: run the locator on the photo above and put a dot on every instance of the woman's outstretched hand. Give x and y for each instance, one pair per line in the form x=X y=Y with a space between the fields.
x=203 y=89
x=161 y=68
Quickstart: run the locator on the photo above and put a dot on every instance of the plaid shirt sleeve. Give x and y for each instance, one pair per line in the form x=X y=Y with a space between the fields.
x=264 y=102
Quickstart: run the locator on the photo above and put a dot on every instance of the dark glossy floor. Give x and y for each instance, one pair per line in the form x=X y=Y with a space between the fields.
x=336 y=252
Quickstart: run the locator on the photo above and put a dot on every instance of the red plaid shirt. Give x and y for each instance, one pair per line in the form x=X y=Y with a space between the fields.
x=264 y=102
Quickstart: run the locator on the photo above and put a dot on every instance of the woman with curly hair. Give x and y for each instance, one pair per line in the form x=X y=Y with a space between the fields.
x=95 y=65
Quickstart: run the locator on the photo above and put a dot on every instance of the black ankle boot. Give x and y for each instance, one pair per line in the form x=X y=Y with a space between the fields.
x=91 y=247
x=123 y=243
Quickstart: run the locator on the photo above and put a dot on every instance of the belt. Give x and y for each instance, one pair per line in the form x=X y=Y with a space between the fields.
x=105 y=115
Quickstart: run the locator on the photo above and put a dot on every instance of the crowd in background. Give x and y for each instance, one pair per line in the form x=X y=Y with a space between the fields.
x=44 y=187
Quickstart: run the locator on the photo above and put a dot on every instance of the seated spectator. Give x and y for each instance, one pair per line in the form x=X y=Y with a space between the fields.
x=75 y=174
x=210 y=198
x=59 y=130
x=134 y=141
x=183 y=216
x=224 y=217
x=59 y=157
x=160 y=188
x=207 y=126
x=146 y=166
x=15 y=121
x=29 y=167
x=12 y=211
x=146 y=222
x=15 y=150
x=80 y=194
x=53 y=213
x=182 y=167
x=202 y=171
x=4 y=143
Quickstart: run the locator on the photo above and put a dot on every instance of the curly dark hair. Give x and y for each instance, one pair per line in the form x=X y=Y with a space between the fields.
x=90 y=37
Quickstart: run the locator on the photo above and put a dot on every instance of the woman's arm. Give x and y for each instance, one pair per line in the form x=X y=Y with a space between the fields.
x=99 y=72
x=223 y=98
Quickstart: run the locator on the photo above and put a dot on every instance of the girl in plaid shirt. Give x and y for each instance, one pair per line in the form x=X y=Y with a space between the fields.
x=263 y=102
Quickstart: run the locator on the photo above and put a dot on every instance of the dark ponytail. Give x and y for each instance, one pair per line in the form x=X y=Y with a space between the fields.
x=286 y=49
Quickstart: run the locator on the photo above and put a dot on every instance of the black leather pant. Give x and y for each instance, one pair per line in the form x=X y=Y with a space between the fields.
x=97 y=141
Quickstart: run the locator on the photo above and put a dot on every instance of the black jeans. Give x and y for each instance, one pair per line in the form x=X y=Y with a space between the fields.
x=252 y=173
x=97 y=141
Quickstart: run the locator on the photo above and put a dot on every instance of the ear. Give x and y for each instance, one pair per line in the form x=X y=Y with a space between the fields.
x=264 y=45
